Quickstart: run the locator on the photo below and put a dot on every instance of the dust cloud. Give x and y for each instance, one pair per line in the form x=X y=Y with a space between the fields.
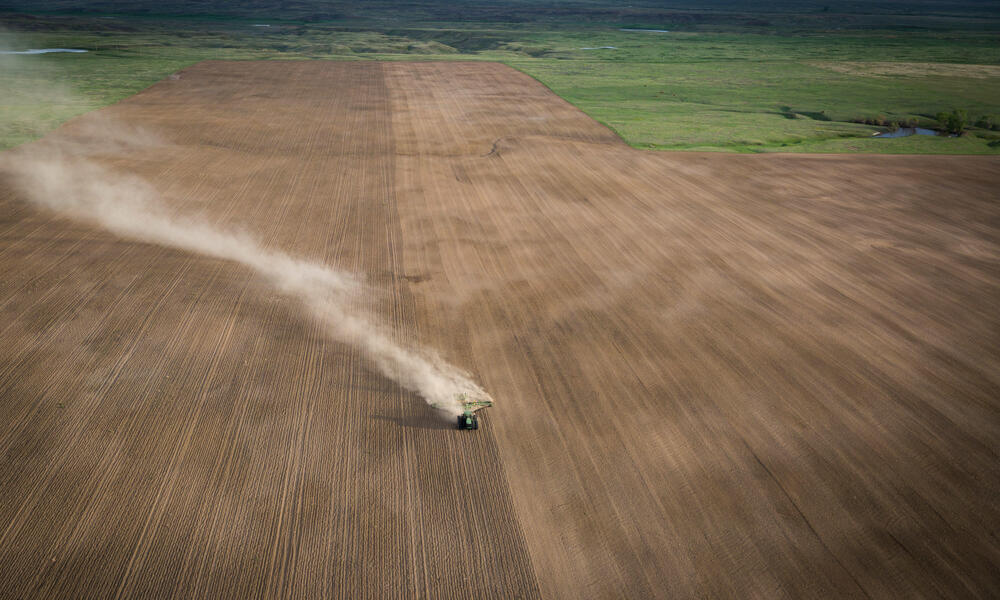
x=66 y=180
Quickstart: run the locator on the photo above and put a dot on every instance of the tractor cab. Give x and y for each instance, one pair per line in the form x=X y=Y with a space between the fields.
x=468 y=418
x=468 y=421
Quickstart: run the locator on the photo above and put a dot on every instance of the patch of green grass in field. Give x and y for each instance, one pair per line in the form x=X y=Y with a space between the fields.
x=792 y=89
x=767 y=104
x=43 y=91
x=916 y=144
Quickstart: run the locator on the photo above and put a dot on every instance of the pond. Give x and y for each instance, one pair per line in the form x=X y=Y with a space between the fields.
x=600 y=48
x=908 y=131
x=647 y=30
x=40 y=51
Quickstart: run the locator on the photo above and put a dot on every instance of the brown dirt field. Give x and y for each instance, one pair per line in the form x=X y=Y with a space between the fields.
x=716 y=375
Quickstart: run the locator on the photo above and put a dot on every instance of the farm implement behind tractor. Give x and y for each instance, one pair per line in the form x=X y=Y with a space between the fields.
x=468 y=418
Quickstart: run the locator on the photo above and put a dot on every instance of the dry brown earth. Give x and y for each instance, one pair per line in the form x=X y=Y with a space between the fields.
x=716 y=375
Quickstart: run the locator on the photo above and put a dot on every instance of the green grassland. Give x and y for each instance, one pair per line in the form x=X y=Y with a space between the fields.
x=797 y=79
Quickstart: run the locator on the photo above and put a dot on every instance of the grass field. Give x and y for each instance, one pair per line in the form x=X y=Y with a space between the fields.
x=792 y=80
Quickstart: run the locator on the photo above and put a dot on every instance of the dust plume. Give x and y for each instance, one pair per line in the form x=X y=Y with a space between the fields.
x=65 y=180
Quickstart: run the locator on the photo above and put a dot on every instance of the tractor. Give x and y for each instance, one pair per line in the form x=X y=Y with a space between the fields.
x=468 y=418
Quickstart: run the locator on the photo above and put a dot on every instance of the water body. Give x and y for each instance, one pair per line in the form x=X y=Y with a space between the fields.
x=907 y=131
x=601 y=48
x=647 y=30
x=40 y=51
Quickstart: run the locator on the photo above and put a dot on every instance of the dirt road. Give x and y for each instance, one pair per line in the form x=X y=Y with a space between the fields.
x=716 y=375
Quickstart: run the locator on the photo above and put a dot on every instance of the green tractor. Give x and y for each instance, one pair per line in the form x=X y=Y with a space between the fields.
x=468 y=418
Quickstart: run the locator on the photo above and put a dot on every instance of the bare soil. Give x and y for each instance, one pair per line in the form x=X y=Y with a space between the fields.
x=716 y=375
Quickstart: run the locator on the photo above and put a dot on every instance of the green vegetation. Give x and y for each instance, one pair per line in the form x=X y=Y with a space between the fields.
x=799 y=78
x=954 y=121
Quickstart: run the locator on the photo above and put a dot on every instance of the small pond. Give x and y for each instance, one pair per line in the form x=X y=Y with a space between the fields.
x=40 y=51
x=908 y=131
x=601 y=48
x=646 y=30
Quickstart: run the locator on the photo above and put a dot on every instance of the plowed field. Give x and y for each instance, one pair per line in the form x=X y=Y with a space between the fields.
x=716 y=375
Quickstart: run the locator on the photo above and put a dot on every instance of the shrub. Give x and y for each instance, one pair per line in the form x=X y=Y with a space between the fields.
x=953 y=122
x=988 y=122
